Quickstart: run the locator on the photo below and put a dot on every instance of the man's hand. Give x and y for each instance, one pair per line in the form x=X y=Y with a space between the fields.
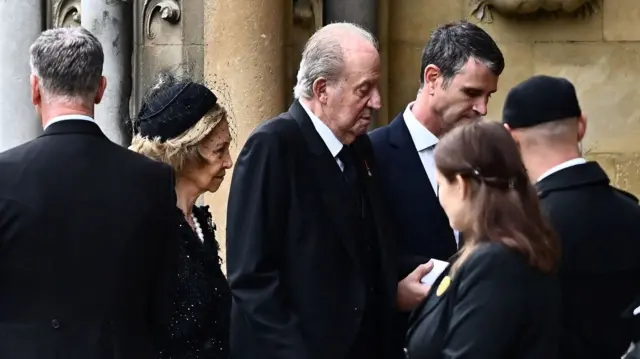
x=410 y=291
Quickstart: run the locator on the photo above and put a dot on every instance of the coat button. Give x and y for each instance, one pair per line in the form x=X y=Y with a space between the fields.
x=55 y=324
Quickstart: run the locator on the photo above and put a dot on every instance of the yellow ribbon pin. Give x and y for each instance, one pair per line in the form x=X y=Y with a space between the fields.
x=444 y=285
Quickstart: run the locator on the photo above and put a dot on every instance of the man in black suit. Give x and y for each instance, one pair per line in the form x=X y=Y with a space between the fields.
x=84 y=223
x=309 y=255
x=598 y=224
x=459 y=72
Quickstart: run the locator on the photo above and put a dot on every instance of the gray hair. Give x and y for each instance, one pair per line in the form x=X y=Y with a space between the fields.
x=323 y=56
x=68 y=62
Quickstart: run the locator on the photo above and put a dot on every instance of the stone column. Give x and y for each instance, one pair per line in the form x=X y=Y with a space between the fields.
x=111 y=22
x=20 y=26
x=245 y=66
x=361 y=12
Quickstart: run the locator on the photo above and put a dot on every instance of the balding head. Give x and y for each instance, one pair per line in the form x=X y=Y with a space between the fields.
x=548 y=144
x=338 y=79
x=325 y=53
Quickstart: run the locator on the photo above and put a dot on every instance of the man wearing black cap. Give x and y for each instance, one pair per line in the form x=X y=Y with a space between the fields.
x=597 y=223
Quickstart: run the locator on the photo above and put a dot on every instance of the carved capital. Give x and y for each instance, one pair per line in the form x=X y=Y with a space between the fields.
x=167 y=10
x=307 y=14
x=66 y=13
x=532 y=9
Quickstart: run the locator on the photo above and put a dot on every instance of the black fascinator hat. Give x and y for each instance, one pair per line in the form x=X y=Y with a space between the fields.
x=173 y=106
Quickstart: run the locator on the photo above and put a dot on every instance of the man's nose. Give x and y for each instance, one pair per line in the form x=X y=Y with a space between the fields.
x=480 y=107
x=375 y=102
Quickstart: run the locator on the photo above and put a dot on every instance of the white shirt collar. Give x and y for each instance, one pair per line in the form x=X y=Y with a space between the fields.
x=333 y=143
x=563 y=165
x=422 y=138
x=69 y=117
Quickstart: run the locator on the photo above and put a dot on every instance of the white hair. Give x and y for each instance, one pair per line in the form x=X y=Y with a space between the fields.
x=323 y=56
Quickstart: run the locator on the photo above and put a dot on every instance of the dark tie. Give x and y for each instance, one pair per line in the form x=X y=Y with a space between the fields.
x=350 y=172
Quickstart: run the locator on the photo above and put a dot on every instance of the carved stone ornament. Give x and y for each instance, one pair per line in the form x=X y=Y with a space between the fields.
x=307 y=14
x=168 y=10
x=66 y=13
x=482 y=9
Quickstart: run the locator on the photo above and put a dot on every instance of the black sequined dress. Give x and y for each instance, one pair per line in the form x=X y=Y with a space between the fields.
x=199 y=328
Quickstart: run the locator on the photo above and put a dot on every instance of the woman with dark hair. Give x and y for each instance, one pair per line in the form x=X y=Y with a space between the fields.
x=499 y=298
x=182 y=124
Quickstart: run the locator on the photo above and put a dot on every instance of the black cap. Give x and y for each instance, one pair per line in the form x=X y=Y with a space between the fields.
x=174 y=110
x=538 y=100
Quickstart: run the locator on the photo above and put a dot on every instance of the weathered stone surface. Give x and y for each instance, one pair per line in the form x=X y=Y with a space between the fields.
x=111 y=22
x=628 y=172
x=413 y=20
x=605 y=77
x=404 y=79
x=245 y=64
x=19 y=28
x=561 y=28
x=518 y=67
x=620 y=20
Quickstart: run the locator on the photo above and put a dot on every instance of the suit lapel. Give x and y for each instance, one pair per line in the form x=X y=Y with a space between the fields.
x=367 y=172
x=416 y=177
x=334 y=192
x=409 y=159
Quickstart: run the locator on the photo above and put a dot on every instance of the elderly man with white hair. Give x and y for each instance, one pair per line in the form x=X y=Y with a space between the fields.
x=310 y=258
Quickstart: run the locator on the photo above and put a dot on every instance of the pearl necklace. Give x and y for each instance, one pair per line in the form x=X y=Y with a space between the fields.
x=197 y=227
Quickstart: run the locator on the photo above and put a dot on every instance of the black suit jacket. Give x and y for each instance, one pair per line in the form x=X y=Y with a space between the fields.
x=496 y=307
x=599 y=228
x=85 y=236
x=298 y=288
x=422 y=227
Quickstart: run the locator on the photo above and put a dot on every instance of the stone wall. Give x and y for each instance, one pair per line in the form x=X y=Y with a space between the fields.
x=600 y=54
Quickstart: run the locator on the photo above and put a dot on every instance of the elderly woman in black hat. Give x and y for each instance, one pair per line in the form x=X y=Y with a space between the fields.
x=182 y=124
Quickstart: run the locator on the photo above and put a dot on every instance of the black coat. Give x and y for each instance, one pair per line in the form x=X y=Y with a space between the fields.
x=496 y=307
x=599 y=228
x=298 y=287
x=85 y=247
x=421 y=225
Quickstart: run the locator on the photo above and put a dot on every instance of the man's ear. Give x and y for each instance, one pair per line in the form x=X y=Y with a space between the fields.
x=320 y=89
x=582 y=127
x=430 y=77
x=101 y=88
x=36 y=96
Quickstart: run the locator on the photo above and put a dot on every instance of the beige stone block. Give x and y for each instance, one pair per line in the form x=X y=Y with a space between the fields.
x=552 y=28
x=620 y=20
x=413 y=20
x=518 y=67
x=404 y=75
x=604 y=75
x=628 y=173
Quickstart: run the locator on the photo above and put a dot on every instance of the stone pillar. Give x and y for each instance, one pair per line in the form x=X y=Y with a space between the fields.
x=361 y=12
x=245 y=66
x=111 y=22
x=21 y=24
